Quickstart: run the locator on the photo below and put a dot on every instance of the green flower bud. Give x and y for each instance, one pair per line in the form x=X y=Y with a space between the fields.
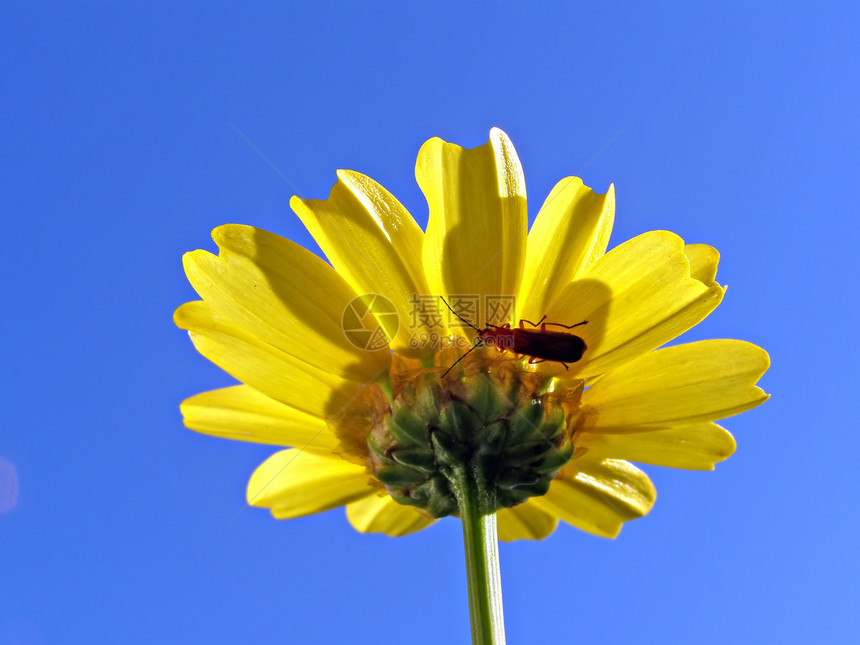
x=497 y=421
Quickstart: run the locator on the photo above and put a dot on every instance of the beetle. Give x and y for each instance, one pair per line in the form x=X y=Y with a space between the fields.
x=539 y=345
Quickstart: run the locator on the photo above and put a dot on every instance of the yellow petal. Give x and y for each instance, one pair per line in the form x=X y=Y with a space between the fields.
x=264 y=367
x=242 y=413
x=702 y=381
x=694 y=447
x=598 y=496
x=524 y=522
x=372 y=240
x=571 y=231
x=703 y=262
x=381 y=514
x=270 y=287
x=635 y=298
x=476 y=236
x=293 y=483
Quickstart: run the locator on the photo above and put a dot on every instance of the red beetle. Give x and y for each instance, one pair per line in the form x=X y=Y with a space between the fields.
x=538 y=344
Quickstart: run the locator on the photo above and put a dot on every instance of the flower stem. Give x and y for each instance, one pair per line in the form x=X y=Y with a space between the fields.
x=482 y=561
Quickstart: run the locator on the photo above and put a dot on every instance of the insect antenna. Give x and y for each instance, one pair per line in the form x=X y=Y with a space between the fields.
x=460 y=317
x=478 y=343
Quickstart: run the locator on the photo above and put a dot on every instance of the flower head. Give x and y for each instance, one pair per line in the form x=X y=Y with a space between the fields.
x=380 y=393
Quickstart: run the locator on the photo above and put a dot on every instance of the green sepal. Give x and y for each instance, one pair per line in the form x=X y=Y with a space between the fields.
x=406 y=500
x=526 y=422
x=429 y=402
x=425 y=491
x=554 y=424
x=460 y=421
x=407 y=428
x=526 y=452
x=440 y=506
x=377 y=450
x=421 y=458
x=485 y=399
x=493 y=437
x=553 y=460
x=442 y=485
x=448 y=451
x=400 y=476
x=538 y=488
x=512 y=478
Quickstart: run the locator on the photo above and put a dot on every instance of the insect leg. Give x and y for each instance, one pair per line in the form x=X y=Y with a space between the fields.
x=537 y=324
x=565 y=326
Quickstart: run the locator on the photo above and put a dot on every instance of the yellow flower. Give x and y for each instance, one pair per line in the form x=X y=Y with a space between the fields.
x=353 y=407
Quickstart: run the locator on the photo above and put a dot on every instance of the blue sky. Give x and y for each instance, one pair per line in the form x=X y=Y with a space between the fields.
x=129 y=131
